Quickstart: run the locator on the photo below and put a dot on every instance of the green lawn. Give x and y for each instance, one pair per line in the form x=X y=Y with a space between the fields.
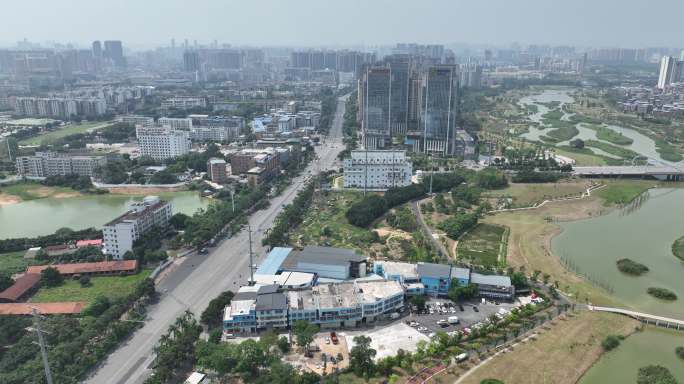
x=482 y=244
x=13 y=262
x=623 y=192
x=110 y=286
x=607 y=134
x=581 y=156
x=62 y=132
x=612 y=149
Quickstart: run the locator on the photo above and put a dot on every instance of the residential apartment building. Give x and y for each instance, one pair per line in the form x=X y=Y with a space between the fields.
x=161 y=143
x=671 y=71
x=63 y=108
x=122 y=232
x=216 y=169
x=220 y=134
x=245 y=160
x=377 y=169
x=46 y=164
x=184 y=102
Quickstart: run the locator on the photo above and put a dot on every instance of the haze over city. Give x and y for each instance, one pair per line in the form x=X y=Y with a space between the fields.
x=627 y=23
x=319 y=192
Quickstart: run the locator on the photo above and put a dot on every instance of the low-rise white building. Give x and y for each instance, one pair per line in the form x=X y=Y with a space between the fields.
x=377 y=169
x=45 y=164
x=136 y=120
x=162 y=143
x=122 y=232
x=180 y=124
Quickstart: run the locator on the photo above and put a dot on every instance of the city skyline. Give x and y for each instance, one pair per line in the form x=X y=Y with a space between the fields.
x=355 y=23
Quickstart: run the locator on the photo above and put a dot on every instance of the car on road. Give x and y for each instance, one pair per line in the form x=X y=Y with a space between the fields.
x=460 y=307
x=476 y=309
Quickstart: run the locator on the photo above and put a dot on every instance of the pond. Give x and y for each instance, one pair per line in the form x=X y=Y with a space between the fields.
x=651 y=347
x=642 y=144
x=44 y=216
x=644 y=233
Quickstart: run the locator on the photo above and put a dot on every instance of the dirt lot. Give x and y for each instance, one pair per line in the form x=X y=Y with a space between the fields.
x=559 y=355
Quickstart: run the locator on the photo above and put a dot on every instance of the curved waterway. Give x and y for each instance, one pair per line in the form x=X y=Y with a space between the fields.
x=45 y=216
x=642 y=144
x=644 y=233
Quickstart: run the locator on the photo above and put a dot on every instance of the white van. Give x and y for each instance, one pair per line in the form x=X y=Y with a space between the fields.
x=453 y=320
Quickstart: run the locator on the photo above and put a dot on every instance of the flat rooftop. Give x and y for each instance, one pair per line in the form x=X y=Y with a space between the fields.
x=407 y=270
x=322 y=255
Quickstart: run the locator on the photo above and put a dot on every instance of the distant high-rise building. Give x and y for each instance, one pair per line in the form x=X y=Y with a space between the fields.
x=97 y=49
x=440 y=111
x=400 y=70
x=670 y=71
x=375 y=123
x=113 y=50
x=191 y=61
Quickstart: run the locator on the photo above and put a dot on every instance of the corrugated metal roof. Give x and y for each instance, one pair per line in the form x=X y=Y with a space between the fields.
x=496 y=280
x=70 y=307
x=434 y=270
x=20 y=287
x=102 y=267
x=273 y=261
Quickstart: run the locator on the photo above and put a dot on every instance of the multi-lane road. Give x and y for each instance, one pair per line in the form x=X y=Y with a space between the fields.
x=200 y=278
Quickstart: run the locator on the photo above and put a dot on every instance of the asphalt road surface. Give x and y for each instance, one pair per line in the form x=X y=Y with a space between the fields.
x=201 y=278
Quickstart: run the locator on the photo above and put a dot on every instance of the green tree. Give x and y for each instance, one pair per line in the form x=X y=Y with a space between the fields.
x=84 y=281
x=361 y=357
x=213 y=315
x=419 y=302
x=50 y=277
x=304 y=332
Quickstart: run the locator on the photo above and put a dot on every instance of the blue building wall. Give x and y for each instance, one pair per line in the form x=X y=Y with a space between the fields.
x=436 y=286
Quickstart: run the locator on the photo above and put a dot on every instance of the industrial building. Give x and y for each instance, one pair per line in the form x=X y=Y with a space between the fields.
x=324 y=262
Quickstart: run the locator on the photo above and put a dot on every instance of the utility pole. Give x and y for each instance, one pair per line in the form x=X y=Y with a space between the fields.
x=432 y=171
x=251 y=261
x=43 y=348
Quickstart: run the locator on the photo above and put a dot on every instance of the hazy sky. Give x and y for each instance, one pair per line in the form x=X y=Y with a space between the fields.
x=626 y=23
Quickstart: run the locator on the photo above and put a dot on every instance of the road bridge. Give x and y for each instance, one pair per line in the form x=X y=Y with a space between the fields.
x=661 y=172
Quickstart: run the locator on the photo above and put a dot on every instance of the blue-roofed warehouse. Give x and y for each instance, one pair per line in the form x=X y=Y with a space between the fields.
x=275 y=258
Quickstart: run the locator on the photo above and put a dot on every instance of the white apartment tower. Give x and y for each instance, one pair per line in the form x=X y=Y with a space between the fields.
x=377 y=169
x=122 y=232
x=161 y=143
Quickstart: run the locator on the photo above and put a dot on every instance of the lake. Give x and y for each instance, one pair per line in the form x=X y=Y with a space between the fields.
x=645 y=234
x=44 y=216
x=651 y=347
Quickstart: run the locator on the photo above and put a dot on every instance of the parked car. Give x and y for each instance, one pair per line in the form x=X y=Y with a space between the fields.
x=333 y=338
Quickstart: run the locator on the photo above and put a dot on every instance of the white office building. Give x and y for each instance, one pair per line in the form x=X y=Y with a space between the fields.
x=136 y=120
x=180 y=124
x=161 y=143
x=122 y=232
x=214 y=133
x=184 y=102
x=377 y=169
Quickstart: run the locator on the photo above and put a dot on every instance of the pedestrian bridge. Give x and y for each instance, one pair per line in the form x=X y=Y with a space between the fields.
x=660 y=172
x=659 y=321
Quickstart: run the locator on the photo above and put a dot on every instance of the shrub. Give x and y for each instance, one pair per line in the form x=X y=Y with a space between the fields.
x=610 y=342
x=655 y=374
x=631 y=267
x=51 y=277
x=662 y=293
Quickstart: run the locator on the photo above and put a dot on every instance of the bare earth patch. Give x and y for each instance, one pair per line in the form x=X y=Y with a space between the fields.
x=6 y=199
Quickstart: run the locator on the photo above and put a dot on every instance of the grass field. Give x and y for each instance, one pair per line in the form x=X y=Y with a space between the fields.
x=32 y=191
x=70 y=129
x=482 y=245
x=524 y=195
x=559 y=355
x=607 y=134
x=71 y=290
x=13 y=262
x=583 y=158
x=612 y=149
x=529 y=244
x=623 y=192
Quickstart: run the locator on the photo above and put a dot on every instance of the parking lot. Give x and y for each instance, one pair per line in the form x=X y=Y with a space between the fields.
x=428 y=323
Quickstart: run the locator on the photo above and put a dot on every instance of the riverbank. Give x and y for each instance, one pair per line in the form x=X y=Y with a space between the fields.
x=27 y=191
x=560 y=354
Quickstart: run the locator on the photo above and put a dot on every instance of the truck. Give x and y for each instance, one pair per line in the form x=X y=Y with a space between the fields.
x=462 y=357
x=394 y=316
x=333 y=338
x=453 y=320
